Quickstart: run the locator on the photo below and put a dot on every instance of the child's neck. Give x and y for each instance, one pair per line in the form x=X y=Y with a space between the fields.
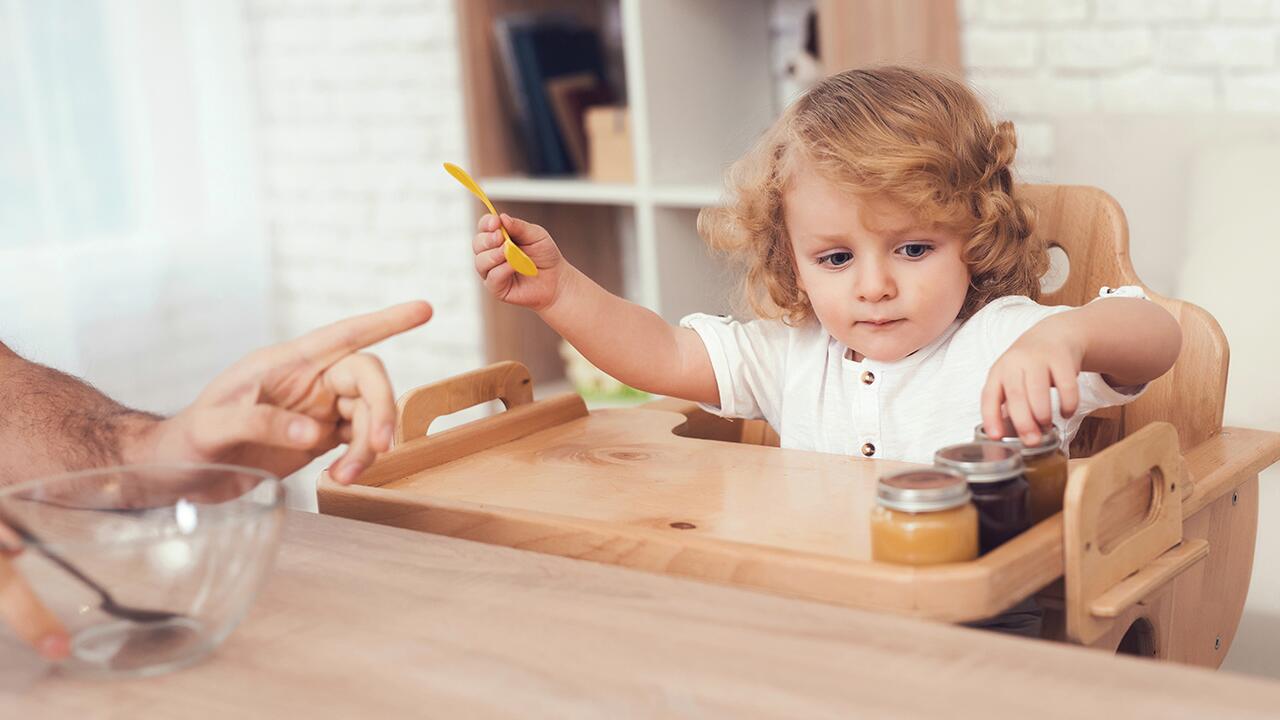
x=858 y=357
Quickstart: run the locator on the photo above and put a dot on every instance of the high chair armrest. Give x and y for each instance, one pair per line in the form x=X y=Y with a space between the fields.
x=1157 y=574
x=1222 y=462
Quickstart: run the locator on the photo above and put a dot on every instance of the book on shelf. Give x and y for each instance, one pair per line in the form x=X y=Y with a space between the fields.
x=537 y=49
x=570 y=96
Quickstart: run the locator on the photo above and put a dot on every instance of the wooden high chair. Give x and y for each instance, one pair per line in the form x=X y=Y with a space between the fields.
x=1219 y=511
x=1089 y=227
x=1151 y=555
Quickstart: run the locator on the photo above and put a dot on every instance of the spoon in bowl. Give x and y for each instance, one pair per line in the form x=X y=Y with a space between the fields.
x=106 y=602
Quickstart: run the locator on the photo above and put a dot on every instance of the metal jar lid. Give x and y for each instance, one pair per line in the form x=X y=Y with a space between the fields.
x=922 y=490
x=1050 y=440
x=981 y=462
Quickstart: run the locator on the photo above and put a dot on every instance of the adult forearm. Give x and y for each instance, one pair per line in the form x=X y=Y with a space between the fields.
x=51 y=422
x=1129 y=340
x=636 y=346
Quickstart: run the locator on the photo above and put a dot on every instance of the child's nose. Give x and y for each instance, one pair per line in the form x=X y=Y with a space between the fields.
x=874 y=283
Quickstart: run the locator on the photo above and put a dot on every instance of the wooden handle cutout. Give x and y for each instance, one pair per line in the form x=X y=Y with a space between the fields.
x=507 y=381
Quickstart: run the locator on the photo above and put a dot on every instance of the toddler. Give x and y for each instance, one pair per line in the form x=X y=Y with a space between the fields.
x=891 y=266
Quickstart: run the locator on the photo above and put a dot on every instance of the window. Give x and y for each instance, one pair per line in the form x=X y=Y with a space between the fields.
x=62 y=173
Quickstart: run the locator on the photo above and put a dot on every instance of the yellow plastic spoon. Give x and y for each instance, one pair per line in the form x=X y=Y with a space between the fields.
x=512 y=252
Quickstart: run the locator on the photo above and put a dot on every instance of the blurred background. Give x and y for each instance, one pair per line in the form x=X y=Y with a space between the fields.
x=182 y=181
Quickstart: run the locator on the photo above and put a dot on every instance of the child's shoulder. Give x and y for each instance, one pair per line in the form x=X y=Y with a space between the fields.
x=1020 y=306
x=1003 y=320
x=1005 y=304
x=1010 y=308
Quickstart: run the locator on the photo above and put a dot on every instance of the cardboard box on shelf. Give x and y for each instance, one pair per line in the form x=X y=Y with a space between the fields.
x=609 y=144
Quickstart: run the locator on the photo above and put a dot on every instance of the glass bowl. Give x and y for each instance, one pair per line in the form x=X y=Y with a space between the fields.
x=180 y=549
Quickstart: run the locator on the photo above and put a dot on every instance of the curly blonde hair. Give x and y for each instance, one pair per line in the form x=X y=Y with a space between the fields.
x=918 y=138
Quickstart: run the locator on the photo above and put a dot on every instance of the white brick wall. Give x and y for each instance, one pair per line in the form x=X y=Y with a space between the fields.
x=358 y=105
x=1142 y=11
x=1018 y=12
x=1002 y=48
x=1039 y=61
x=1216 y=48
x=1097 y=48
x=1245 y=9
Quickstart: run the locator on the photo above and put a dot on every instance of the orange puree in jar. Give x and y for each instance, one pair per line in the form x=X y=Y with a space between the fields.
x=923 y=517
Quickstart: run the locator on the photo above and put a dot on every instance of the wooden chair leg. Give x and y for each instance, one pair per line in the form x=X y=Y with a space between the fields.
x=1209 y=599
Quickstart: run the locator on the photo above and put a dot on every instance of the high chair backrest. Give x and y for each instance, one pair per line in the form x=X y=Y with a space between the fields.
x=1089 y=226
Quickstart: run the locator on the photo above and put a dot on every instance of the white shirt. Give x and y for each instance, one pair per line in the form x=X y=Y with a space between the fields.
x=803 y=382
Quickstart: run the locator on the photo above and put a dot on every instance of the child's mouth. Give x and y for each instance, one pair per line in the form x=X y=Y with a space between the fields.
x=879 y=324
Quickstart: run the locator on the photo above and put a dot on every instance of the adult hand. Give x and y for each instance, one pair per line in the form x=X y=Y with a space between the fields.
x=276 y=409
x=284 y=405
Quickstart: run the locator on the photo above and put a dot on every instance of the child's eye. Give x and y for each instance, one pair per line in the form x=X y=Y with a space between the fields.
x=840 y=258
x=915 y=251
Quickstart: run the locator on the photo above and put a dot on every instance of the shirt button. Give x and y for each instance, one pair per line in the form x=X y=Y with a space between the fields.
x=868 y=449
x=868 y=377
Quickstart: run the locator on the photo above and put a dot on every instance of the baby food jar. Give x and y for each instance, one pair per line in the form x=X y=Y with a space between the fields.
x=994 y=474
x=923 y=517
x=1046 y=469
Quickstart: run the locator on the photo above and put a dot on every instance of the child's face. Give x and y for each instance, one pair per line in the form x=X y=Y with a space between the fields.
x=878 y=280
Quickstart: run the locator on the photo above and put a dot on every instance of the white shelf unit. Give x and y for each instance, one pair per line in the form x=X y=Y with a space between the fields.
x=587 y=192
x=700 y=91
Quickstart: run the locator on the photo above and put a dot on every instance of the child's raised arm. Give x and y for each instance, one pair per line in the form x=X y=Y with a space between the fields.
x=1129 y=341
x=623 y=339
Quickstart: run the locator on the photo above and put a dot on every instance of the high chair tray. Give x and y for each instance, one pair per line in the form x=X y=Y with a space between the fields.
x=630 y=487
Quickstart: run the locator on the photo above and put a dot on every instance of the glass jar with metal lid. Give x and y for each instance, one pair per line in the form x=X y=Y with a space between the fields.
x=923 y=517
x=994 y=473
x=1046 y=469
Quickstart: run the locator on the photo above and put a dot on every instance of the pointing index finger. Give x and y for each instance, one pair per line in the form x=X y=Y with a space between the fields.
x=331 y=343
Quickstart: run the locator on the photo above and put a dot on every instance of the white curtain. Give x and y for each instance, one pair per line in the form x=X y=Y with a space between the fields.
x=132 y=250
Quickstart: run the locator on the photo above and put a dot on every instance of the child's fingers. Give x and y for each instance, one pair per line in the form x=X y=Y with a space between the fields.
x=1064 y=378
x=487 y=223
x=992 y=398
x=1038 y=397
x=488 y=260
x=485 y=241
x=499 y=279
x=1015 y=394
x=524 y=233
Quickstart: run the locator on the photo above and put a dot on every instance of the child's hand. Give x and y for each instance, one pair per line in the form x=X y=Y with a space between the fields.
x=501 y=279
x=1041 y=359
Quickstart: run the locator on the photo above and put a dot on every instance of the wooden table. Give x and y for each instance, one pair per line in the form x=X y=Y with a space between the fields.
x=362 y=620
